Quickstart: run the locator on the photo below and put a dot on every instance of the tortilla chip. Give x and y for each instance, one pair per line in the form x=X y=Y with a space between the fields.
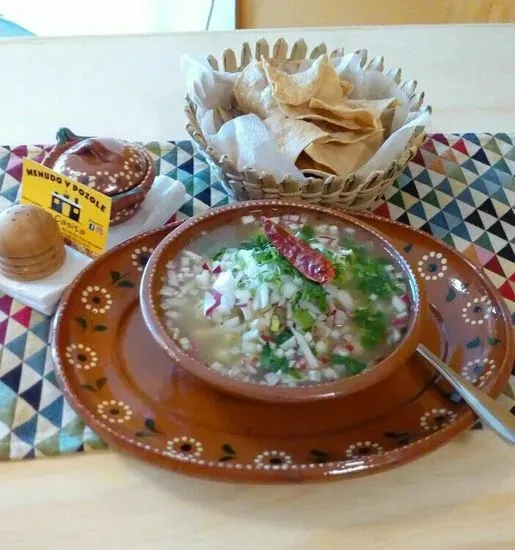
x=252 y=91
x=320 y=81
x=343 y=159
x=292 y=136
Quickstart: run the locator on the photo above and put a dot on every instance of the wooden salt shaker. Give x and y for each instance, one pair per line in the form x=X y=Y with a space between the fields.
x=31 y=245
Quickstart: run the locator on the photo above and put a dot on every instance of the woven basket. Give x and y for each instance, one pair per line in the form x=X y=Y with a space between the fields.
x=348 y=192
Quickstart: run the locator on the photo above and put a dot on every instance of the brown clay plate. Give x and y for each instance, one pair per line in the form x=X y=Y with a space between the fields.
x=118 y=379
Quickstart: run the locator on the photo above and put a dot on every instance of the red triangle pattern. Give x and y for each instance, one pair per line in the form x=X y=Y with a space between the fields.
x=23 y=316
x=3 y=329
x=507 y=291
x=5 y=304
x=495 y=266
x=442 y=138
x=429 y=146
x=16 y=171
x=20 y=151
x=460 y=146
x=383 y=210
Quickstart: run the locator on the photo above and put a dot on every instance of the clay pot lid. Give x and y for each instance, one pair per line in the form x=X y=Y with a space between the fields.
x=109 y=165
x=27 y=231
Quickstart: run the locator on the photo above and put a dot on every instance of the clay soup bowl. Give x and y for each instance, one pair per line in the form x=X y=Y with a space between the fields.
x=179 y=238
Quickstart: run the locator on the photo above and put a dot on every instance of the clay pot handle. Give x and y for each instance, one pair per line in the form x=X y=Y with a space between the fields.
x=96 y=149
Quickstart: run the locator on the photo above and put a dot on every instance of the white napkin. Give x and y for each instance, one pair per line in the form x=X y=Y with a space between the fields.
x=162 y=201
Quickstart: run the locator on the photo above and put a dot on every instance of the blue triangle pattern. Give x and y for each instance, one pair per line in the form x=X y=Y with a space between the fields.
x=17 y=345
x=437 y=230
x=27 y=431
x=461 y=231
x=418 y=210
x=424 y=177
x=453 y=209
x=54 y=411
x=466 y=196
x=469 y=165
x=12 y=378
x=480 y=156
x=445 y=187
x=479 y=185
x=439 y=219
x=33 y=394
x=42 y=329
x=37 y=361
x=10 y=194
x=187 y=166
x=473 y=138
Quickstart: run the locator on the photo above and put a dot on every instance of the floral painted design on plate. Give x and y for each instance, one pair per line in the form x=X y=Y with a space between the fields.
x=126 y=388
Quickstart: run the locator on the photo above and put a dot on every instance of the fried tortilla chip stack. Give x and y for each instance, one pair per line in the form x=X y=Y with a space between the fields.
x=311 y=117
x=31 y=245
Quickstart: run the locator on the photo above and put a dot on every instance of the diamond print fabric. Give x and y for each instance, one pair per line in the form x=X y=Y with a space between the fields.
x=460 y=188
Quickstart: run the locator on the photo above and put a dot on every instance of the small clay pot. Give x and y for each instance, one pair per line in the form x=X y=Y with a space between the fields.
x=31 y=245
x=121 y=170
x=178 y=239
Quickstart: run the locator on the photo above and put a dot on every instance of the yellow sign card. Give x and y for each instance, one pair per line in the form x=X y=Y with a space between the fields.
x=82 y=213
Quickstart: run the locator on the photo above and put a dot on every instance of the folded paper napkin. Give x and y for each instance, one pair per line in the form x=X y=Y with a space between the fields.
x=294 y=118
x=163 y=200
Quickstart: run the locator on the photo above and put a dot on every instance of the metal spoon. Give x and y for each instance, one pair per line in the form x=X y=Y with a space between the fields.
x=489 y=411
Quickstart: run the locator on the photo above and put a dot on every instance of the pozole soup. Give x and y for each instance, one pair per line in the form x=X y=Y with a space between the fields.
x=285 y=300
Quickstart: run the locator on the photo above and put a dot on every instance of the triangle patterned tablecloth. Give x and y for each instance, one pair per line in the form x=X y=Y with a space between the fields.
x=460 y=188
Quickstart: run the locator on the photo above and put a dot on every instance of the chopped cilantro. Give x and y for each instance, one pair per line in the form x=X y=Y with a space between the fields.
x=372 y=322
x=303 y=318
x=285 y=335
x=352 y=366
x=272 y=362
x=307 y=232
x=314 y=293
x=361 y=269
x=219 y=254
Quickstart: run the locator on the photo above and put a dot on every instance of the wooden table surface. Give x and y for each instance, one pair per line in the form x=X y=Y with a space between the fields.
x=459 y=497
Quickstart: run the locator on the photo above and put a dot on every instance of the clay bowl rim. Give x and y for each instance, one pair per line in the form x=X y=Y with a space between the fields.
x=140 y=188
x=178 y=238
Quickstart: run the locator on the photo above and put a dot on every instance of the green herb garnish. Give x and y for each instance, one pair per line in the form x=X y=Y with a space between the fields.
x=314 y=293
x=372 y=322
x=352 y=366
x=303 y=318
x=219 y=254
x=272 y=362
x=307 y=232
x=285 y=335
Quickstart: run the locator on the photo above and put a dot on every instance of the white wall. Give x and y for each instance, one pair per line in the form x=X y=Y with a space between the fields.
x=93 y=17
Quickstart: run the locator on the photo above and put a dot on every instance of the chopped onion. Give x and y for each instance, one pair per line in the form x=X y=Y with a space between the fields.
x=305 y=349
x=398 y=304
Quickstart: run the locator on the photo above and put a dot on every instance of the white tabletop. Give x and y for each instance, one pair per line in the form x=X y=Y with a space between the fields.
x=131 y=86
x=459 y=497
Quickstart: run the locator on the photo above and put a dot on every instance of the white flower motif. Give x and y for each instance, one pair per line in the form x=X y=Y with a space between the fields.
x=478 y=370
x=96 y=299
x=432 y=266
x=273 y=460
x=436 y=419
x=81 y=356
x=361 y=449
x=477 y=311
x=140 y=257
x=185 y=447
x=115 y=412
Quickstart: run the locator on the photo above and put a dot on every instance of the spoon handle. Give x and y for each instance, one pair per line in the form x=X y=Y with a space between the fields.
x=489 y=411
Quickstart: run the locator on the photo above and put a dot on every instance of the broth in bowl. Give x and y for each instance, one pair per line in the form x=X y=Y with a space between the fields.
x=288 y=300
